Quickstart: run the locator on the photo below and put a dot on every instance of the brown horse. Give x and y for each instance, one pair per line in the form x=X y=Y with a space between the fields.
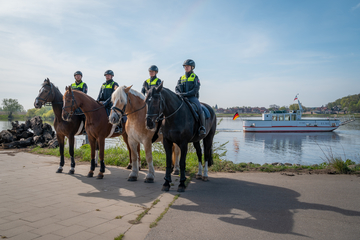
x=97 y=124
x=51 y=94
x=128 y=102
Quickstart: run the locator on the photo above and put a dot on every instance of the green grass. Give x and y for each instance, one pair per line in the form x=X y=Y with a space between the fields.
x=119 y=237
x=154 y=224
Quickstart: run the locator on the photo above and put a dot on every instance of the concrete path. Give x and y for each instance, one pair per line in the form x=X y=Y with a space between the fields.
x=265 y=206
x=37 y=203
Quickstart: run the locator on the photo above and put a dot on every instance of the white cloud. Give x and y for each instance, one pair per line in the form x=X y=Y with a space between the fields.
x=357 y=6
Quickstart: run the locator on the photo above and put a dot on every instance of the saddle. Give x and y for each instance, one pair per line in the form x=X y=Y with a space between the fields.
x=194 y=109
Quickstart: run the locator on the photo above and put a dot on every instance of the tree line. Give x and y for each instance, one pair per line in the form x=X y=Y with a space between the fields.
x=350 y=103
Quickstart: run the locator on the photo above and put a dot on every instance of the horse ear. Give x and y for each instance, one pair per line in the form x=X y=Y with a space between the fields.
x=159 y=88
x=126 y=90
x=48 y=80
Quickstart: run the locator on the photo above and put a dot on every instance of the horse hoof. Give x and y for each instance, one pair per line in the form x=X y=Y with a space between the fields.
x=176 y=172
x=132 y=179
x=181 y=189
x=205 y=179
x=90 y=174
x=149 y=180
x=198 y=176
x=71 y=171
x=129 y=166
x=59 y=171
x=100 y=176
x=165 y=188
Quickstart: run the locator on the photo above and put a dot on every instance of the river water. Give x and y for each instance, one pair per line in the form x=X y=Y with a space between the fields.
x=300 y=148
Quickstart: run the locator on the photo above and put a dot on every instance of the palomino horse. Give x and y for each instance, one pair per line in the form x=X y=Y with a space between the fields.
x=51 y=94
x=128 y=102
x=97 y=124
x=180 y=127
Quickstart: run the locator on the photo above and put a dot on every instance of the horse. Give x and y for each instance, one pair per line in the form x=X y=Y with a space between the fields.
x=179 y=127
x=97 y=125
x=51 y=94
x=128 y=102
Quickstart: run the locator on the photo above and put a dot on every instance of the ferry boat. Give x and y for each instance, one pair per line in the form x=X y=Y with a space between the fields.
x=281 y=121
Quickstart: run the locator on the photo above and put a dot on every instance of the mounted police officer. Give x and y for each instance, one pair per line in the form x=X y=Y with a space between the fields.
x=188 y=86
x=106 y=90
x=153 y=81
x=79 y=84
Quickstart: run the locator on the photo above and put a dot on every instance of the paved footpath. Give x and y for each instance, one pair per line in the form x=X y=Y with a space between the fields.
x=37 y=203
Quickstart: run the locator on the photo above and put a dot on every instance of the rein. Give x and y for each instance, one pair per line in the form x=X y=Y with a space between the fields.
x=45 y=100
x=122 y=111
x=162 y=102
x=73 y=102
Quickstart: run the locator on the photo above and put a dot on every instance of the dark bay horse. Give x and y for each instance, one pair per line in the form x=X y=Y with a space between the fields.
x=51 y=94
x=97 y=125
x=179 y=127
x=128 y=102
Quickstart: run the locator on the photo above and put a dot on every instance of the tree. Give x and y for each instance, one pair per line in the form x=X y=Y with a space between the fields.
x=295 y=106
x=11 y=105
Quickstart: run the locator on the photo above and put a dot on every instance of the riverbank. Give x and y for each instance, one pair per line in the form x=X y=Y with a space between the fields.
x=118 y=156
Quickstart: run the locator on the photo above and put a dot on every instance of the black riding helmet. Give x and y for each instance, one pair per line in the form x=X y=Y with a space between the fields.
x=190 y=63
x=109 y=72
x=78 y=73
x=153 y=68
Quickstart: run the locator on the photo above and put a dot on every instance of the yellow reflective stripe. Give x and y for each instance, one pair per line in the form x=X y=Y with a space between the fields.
x=77 y=86
x=190 y=79
x=153 y=82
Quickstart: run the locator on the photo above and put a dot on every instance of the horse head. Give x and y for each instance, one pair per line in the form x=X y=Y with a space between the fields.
x=154 y=103
x=119 y=99
x=46 y=94
x=70 y=104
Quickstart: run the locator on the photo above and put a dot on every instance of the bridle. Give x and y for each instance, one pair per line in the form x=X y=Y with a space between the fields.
x=73 y=102
x=44 y=101
x=162 y=104
x=122 y=111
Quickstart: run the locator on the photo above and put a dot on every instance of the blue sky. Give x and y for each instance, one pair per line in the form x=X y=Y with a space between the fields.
x=247 y=53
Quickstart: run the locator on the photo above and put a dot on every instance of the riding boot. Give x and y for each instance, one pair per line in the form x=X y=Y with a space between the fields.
x=202 y=130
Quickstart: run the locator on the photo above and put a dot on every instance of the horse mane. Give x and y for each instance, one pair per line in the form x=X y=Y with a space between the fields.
x=48 y=83
x=120 y=94
x=85 y=95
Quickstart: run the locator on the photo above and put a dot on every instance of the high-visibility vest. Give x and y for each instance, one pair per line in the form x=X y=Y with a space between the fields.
x=189 y=79
x=153 y=82
x=74 y=86
x=110 y=85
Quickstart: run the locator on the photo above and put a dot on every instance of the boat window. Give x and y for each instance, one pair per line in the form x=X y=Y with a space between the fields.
x=274 y=117
x=287 y=117
x=293 y=117
x=281 y=118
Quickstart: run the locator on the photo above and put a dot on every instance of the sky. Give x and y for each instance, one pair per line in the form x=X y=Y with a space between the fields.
x=247 y=53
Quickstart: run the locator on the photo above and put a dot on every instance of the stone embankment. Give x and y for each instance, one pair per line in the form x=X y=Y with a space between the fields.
x=32 y=132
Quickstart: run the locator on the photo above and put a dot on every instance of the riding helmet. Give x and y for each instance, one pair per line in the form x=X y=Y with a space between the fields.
x=189 y=62
x=109 y=72
x=153 y=68
x=78 y=73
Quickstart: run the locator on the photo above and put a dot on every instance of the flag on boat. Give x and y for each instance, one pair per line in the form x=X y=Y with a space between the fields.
x=296 y=97
x=236 y=116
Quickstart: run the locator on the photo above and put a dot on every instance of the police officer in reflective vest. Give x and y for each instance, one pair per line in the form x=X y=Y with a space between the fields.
x=79 y=84
x=107 y=88
x=153 y=81
x=188 y=86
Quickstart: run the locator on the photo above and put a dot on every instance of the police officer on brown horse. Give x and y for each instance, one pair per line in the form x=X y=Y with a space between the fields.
x=153 y=81
x=79 y=84
x=188 y=86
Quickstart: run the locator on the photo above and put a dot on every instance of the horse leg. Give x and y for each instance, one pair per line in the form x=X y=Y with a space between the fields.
x=126 y=140
x=199 y=155
x=148 y=151
x=101 y=143
x=92 y=141
x=208 y=141
x=184 y=148
x=96 y=157
x=168 y=150
x=71 y=152
x=133 y=153
x=61 y=139
x=176 y=158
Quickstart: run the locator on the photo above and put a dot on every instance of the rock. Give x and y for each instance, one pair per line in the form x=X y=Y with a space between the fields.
x=280 y=164
x=296 y=164
x=53 y=143
x=38 y=139
x=26 y=134
x=275 y=163
x=47 y=136
x=18 y=144
x=288 y=164
x=6 y=136
x=36 y=125
x=47 y=129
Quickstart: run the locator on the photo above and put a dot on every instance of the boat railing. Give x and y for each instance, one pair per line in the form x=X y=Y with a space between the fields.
x=347 y=119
